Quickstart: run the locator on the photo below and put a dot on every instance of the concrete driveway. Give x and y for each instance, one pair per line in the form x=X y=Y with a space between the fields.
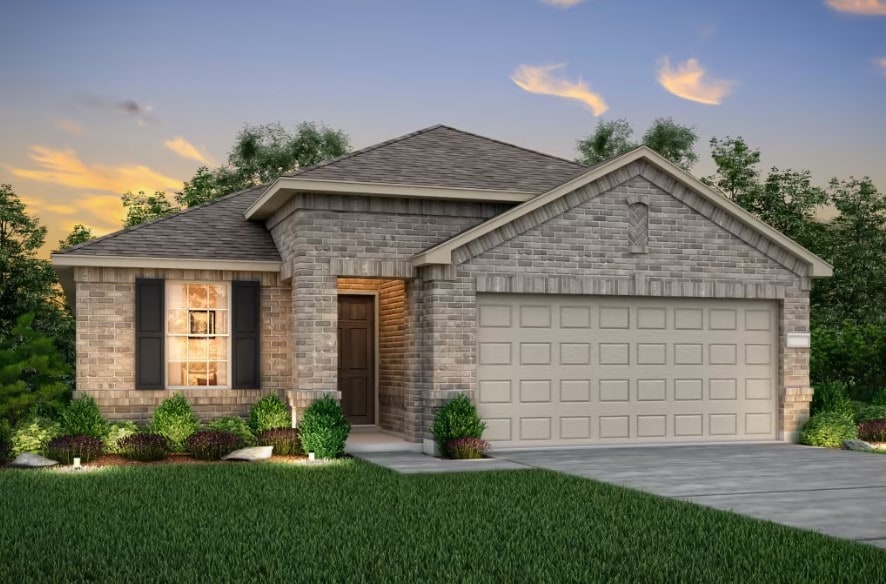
x=834 y=492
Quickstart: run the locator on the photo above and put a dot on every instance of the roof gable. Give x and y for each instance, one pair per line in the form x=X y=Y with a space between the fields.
x=441 y=156
x=602 y=177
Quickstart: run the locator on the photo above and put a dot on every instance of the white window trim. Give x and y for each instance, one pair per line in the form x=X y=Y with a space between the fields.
x=167 y=336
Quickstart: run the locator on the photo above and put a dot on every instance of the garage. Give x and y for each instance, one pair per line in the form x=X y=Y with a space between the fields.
x=580 y=370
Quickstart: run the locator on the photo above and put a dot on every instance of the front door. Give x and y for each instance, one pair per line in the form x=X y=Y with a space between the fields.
x=356 y=357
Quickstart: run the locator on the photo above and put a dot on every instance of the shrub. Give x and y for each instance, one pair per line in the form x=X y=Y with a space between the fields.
x=873 y=431
x=831 y=396
x=866 y=412
x=828 y=429
x=852 y=353
x=5 y=432
x=32 y=435
x=324 y=428
x=175 y=420
x=32 y=370
x=456 y=419
x=117 y=431
x=467 y=448
x=213 y=444
x=144 y=447
x=83 y=418
x=234 y=425
x=284 y=440
x=269 y=413
x=65 y=448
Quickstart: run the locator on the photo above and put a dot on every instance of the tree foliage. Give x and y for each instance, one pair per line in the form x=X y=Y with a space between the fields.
x=28 y=284
x=32 y=371
x=737 y=173
x=673 y=141
x=609 y=139
x=141 y=207
x=855 y=244
x=670 y=139
x=79 y=234
x=261 y=154
x=848 y=310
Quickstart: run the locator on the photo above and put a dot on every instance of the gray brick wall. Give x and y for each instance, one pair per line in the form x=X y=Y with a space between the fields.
x=322 y=238
x=581 y=246
x=106 y=343
x=577 y=245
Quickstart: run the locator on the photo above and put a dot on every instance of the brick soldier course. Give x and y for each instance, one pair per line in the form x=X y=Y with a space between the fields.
x=425 y=223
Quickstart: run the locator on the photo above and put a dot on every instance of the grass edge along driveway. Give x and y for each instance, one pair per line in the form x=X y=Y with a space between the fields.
x=351 y=521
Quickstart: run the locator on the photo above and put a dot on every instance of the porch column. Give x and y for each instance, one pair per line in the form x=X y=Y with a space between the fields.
x=314 y=338
x=448 y=348
x=795 y=391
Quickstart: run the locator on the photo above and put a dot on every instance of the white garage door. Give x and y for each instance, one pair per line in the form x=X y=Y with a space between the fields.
x=572 y=370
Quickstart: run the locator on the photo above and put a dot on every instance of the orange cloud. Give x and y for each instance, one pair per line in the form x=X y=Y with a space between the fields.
x=64 y=167
x=70 y=127
x=40 y=205
x=880 y=63
x=185 y=149
x=562 y=3
x=106 y=209
x=542 y=80
x=866 y=7
x=687 y=80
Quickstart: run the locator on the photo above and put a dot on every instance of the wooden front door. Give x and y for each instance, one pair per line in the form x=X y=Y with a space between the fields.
x=356 y=357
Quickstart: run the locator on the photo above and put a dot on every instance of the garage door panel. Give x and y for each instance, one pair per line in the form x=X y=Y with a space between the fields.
x=584 y=370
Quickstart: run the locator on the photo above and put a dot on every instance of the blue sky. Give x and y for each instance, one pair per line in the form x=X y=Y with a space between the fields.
x=101 y=97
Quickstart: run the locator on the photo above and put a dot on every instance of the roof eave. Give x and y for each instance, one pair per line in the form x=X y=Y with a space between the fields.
x=62 y=261
x=284 y=187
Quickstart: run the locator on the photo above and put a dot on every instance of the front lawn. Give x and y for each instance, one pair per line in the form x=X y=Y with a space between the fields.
x=351 y=521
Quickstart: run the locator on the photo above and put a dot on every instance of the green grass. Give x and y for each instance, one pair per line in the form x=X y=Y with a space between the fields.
x=353 y=522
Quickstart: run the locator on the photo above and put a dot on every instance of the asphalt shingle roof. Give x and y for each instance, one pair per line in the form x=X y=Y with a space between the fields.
x=214 y=230
x=436 y=156
x=447 y=157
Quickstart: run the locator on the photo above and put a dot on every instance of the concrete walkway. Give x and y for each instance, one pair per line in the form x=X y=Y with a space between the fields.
x=415 y=462
x=838 y=493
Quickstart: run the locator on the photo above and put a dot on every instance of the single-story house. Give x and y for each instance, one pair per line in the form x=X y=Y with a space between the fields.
x=625 y=302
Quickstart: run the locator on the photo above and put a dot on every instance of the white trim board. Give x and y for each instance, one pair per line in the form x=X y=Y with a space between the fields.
x=284 y=187
x=96 y=261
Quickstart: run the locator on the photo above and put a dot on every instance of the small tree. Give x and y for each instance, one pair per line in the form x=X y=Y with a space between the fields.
x=32 y=372
x=141 y=208
x=79 y=234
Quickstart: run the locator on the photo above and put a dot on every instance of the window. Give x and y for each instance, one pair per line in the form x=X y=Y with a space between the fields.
x=197 y=334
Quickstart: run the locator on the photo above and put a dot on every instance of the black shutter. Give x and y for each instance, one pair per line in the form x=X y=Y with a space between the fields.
x=245 y=301
x=149 y=333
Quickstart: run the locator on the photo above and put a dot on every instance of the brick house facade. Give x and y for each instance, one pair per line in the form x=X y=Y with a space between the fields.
x=435 y=228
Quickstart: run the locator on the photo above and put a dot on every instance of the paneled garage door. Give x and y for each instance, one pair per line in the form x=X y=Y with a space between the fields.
x=572 y=370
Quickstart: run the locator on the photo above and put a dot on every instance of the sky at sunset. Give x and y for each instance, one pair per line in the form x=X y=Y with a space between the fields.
x=98 y=98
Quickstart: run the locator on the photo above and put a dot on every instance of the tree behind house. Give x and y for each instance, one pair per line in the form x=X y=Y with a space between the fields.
x=79 y=234
x=261 y=154
x=28 y=284
x=670 y=139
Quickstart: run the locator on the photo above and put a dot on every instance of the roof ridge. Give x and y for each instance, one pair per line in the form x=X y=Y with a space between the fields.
x=364 y=150
x=579 y=165
x=155 y=221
